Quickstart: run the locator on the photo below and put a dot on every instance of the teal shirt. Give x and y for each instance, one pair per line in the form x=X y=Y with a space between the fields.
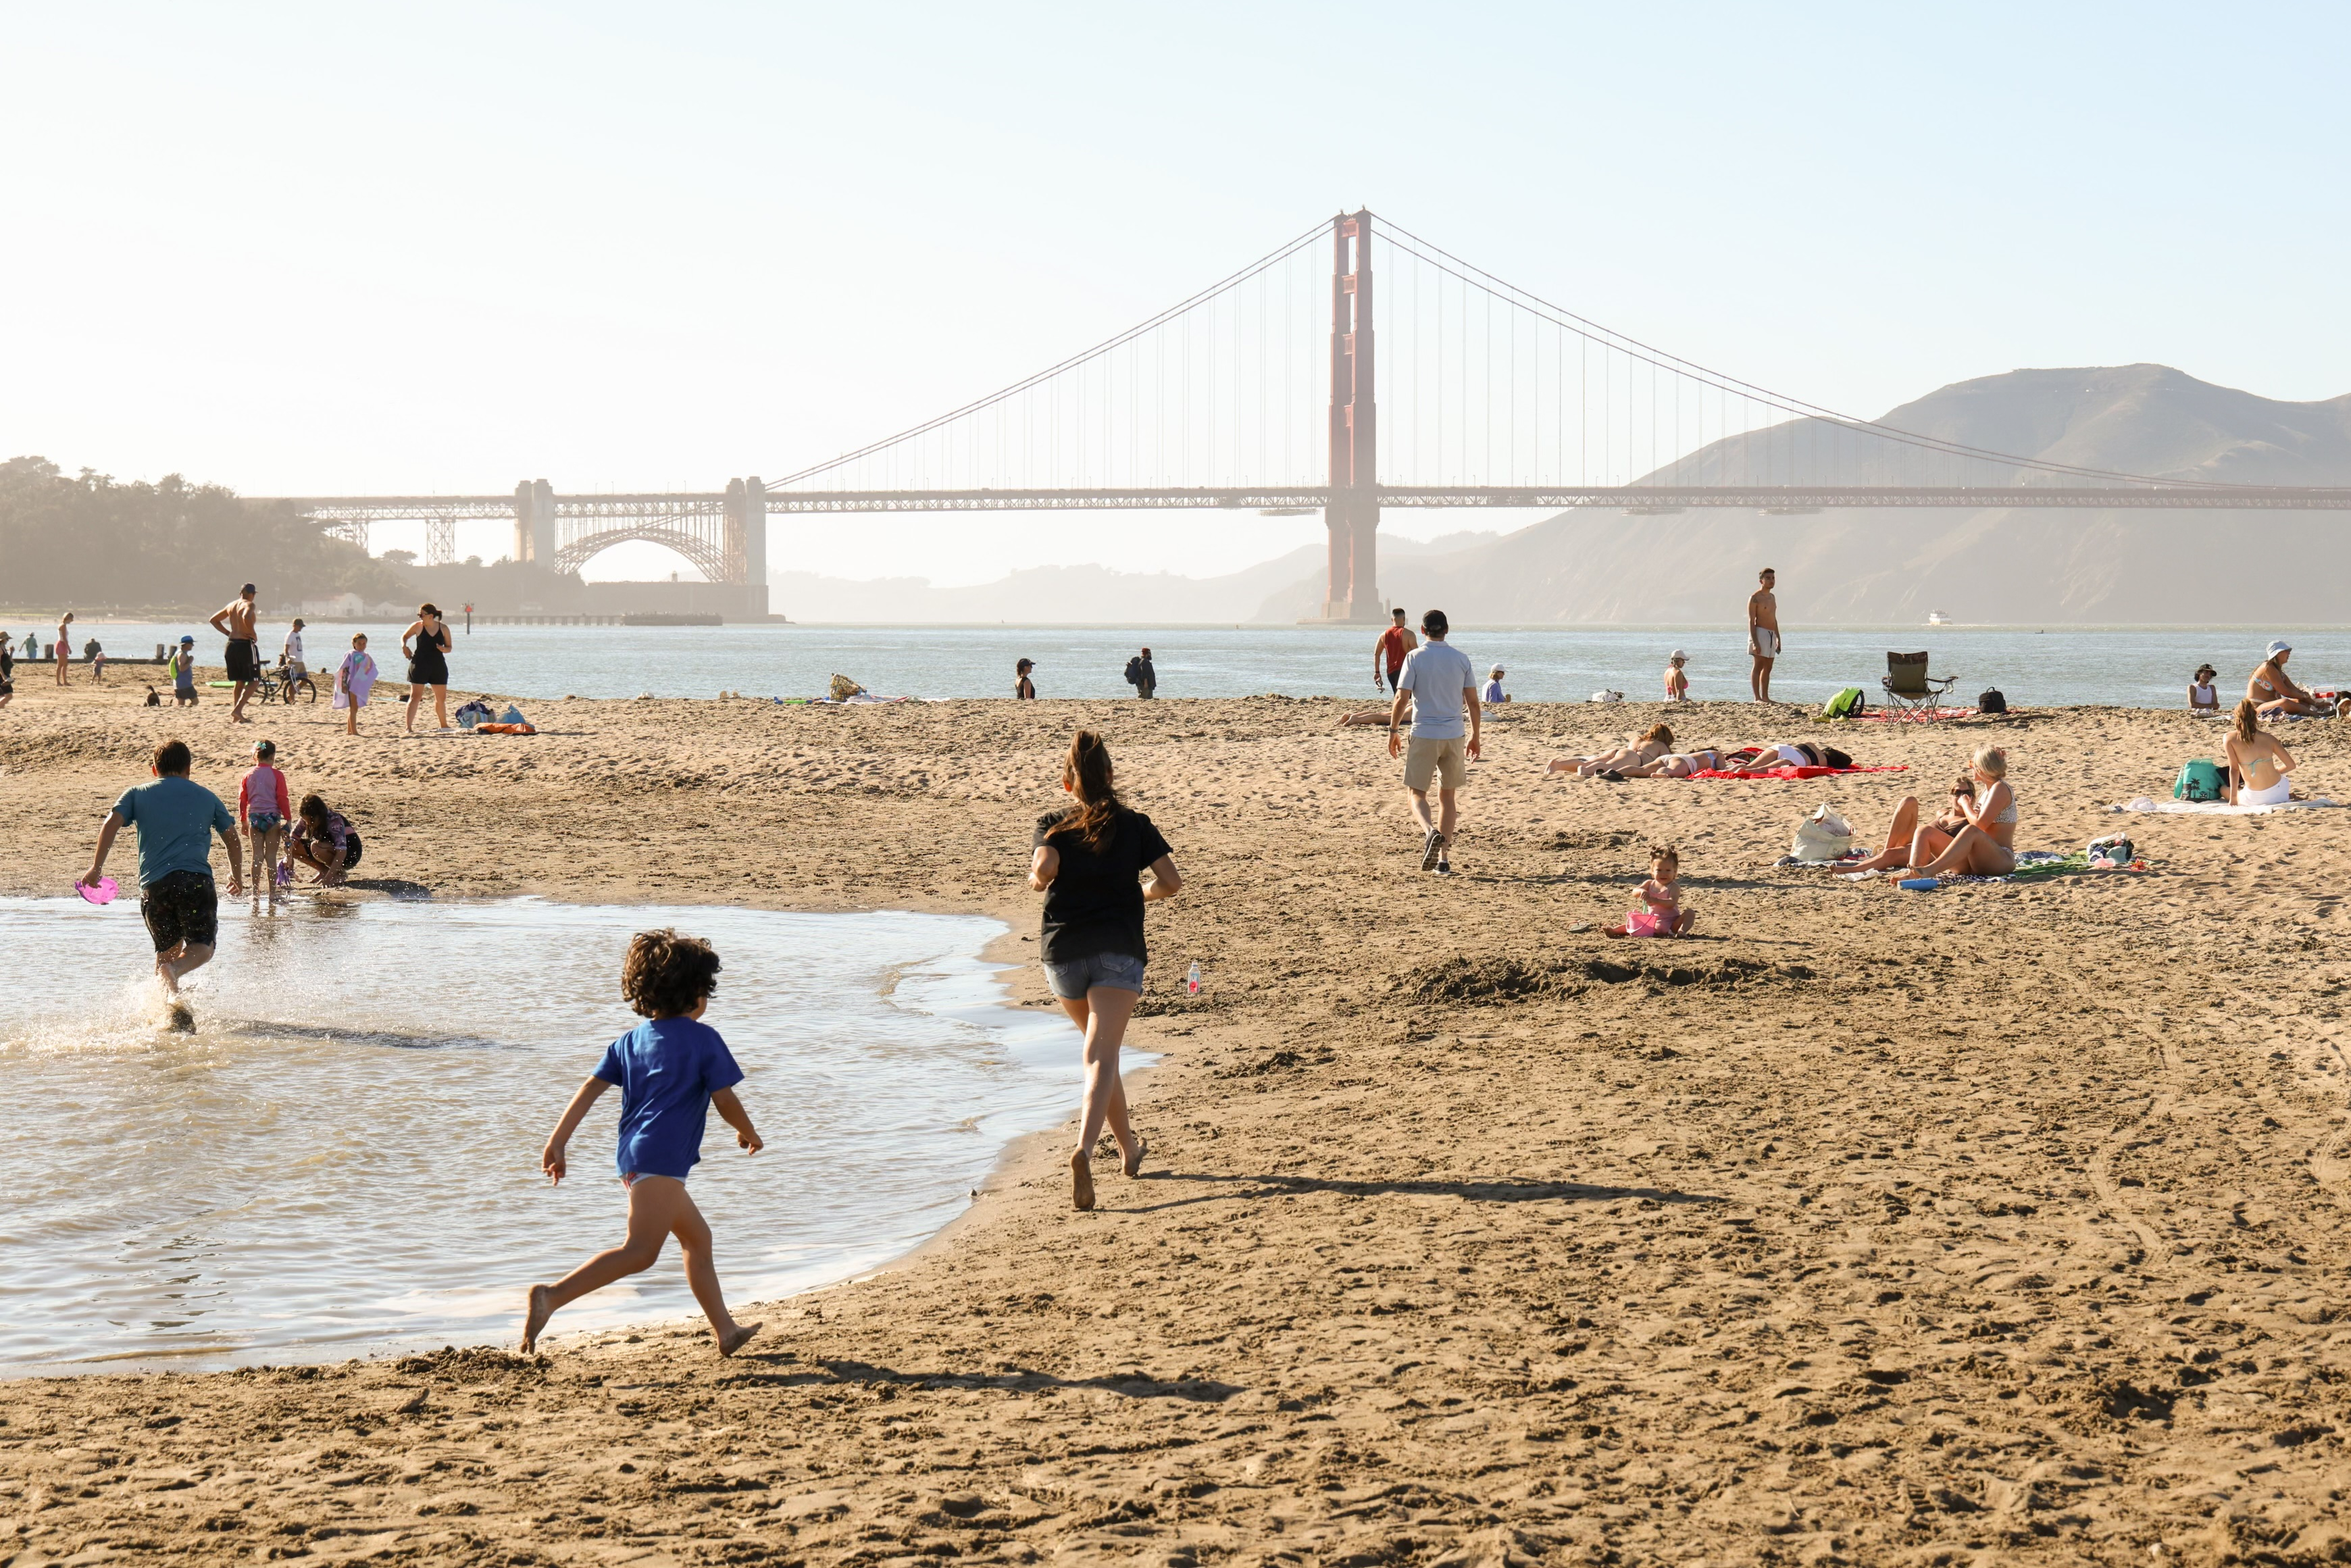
x=176 y=817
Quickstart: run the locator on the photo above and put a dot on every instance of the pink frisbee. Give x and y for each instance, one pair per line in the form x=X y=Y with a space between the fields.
x=100 y=892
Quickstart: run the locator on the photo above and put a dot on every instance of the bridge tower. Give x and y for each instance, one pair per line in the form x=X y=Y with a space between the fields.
x=535 y=522
x=1353 y=517
x=747 y=539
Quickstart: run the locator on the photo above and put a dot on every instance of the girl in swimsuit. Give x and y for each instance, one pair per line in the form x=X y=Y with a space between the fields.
x=2257 y=763
x=1984 y=843
x=1620 y=761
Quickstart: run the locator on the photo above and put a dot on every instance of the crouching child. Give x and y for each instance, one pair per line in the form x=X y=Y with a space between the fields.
x=671 y=1070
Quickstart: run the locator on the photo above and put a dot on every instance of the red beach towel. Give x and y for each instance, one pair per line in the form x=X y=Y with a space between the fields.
x=1790 y=772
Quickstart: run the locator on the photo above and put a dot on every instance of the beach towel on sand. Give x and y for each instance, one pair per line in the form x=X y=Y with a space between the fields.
x=2221 y=807
x=1794 y=772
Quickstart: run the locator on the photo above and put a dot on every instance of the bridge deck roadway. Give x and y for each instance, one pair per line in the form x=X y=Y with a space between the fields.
x=1764 y=498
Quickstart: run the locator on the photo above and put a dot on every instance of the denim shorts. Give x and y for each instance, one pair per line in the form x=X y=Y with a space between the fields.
x=1116 y=971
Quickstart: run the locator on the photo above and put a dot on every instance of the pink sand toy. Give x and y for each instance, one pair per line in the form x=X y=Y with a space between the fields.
x=1645 y=923
x=100 y=892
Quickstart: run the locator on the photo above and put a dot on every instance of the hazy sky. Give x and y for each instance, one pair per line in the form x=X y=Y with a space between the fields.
x=296 y=249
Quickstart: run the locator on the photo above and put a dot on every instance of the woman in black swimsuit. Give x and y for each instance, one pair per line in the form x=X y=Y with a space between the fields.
x=1022 y=686
x=428 y=663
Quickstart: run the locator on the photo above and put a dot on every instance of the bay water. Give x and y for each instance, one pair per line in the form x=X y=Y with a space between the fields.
x=2130 y=666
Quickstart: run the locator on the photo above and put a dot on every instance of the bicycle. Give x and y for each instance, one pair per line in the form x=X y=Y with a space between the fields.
x=275 y=685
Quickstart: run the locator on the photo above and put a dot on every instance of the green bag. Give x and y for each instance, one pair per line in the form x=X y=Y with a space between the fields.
x=2200 y=780
x=1846 y=703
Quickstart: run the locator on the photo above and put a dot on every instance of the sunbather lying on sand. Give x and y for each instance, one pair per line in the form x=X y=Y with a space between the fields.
x=1620 y=761
x=1680 y=764
x=1784 y=754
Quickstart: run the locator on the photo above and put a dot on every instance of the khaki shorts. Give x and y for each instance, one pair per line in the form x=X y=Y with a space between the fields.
x=1447 y=760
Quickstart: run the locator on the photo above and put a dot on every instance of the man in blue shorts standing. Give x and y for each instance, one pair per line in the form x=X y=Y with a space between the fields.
x=176 y=819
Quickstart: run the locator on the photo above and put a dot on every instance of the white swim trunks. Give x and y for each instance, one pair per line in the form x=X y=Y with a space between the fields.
x=1767 y=642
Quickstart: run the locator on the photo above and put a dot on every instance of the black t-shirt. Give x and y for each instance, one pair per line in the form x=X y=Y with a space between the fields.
x=1095 y=901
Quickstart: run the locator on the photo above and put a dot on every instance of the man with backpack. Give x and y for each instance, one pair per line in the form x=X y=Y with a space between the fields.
x=1141 y=675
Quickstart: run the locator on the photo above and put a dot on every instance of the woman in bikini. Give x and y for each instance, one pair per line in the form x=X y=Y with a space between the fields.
x=1620 y=761
x=1976 y=838
x=2257 y=763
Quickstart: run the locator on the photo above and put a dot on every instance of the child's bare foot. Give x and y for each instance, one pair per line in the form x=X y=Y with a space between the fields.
x=1132 y=1164
x=735 y=1338
x=539 y=1306
x=1081 y=1180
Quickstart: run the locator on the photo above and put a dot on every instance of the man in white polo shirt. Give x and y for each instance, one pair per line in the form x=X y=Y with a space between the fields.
x=1442 y=687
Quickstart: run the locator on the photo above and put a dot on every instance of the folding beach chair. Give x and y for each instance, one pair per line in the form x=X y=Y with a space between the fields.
x=1910 y=691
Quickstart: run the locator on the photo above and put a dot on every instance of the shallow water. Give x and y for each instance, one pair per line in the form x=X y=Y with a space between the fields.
x=346 y=1150
x=2140 y=667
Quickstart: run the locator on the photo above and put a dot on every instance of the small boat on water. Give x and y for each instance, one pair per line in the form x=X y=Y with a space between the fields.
x=1937 y=617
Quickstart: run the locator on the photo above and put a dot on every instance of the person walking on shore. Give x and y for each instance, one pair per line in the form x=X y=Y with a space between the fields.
x=428 y=663
x=1763 y=633
x=1023 y=687
x=1141 y=675
x=1390 y=647
x=1086 y=861
x=62 y=649
x=672 y=1069
x=243 y=654
x=1442 y=686
x=354 y=679
x=176 y=817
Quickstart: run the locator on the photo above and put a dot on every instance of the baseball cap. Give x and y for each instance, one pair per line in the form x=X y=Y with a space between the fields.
x=187 y=642
x=2280 y=646
x=1495 y=670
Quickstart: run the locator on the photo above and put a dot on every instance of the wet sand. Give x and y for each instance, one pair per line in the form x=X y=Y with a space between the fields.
x=2002 y=1223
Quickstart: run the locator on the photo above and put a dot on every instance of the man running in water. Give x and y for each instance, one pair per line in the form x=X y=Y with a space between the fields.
x=234 y=623
x=1763 y=633
x=1390 y=647
x=176 y=819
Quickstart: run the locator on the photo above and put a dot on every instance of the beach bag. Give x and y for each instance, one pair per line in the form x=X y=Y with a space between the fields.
x=1992 y=701
x=1846 y=703
x=2200 y=780
x=843 y=688
x=1822 y=837
x=1608 y=696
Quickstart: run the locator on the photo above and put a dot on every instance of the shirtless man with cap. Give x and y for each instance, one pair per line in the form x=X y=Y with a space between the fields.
x=234 y=623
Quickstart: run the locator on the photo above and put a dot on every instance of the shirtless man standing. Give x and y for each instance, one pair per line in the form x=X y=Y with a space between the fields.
x=1763 y=633
x=2274 y=692
x=1390 y=647
x=234 y=623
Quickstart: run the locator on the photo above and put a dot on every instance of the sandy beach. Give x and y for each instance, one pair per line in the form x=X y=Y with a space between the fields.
x=2001 y=1223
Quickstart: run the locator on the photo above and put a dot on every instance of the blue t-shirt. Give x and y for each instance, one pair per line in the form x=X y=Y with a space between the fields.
x=176 y=817
x=667 y=1070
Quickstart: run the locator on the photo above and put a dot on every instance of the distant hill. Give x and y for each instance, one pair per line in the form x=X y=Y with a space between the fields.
x=2008 y=566
x=1079 y=593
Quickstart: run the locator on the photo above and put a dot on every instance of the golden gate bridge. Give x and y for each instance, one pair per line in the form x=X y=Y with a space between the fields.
x=1435 y=383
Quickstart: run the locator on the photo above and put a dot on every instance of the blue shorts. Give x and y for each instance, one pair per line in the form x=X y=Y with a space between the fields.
x=1113 y=971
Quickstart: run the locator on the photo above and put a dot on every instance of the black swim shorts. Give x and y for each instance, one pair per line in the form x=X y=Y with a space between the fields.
x=244 y=659
x=181 y=906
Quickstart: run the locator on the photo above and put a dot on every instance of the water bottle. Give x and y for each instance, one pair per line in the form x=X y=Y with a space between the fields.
x=1192 y=980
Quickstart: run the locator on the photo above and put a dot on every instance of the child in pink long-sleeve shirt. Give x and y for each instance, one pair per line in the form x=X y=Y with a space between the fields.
x=265 y=808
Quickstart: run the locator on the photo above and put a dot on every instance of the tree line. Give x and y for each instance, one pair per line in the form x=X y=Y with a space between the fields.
x=86 y=542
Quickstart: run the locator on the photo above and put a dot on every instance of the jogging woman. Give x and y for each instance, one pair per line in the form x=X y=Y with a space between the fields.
x=1088 y=859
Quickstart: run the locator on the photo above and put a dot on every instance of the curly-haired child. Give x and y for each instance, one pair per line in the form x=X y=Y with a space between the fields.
x=672 y=1069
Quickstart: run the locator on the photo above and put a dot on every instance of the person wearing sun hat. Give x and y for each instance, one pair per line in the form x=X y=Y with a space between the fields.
x=2203 y=696
x=1677 y=683
x=1494 y=692
x=2273 y=692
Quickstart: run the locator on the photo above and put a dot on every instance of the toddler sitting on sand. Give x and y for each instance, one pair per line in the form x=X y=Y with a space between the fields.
x=1661 y=914
x=671 y=1069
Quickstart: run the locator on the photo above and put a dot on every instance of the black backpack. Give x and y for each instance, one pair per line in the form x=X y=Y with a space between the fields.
x=1992 y=701
x=1134 y=670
